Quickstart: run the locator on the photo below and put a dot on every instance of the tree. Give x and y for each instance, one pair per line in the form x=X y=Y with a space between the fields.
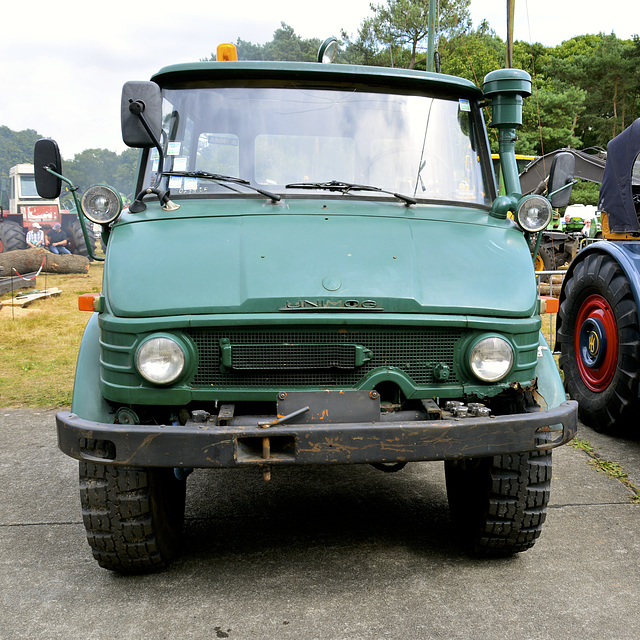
x=100 y=166
x=16 y=147
x=549 y=118
x=472 y=55
x=286 y=45
x=606 y=69
x=401 y=26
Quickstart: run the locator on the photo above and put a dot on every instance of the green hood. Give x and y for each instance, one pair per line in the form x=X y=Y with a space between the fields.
x=394 y=259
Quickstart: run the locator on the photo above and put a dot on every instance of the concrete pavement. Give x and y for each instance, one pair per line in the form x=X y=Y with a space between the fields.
x=341 y=553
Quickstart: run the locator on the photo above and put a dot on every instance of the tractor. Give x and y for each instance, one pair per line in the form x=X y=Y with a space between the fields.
x=21 y=206
x=598 y=331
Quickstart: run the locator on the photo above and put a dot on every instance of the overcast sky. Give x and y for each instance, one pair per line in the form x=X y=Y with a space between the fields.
x=63 y=64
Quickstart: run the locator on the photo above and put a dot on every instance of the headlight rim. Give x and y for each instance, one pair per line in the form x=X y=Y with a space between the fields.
x=475 y=345
x=520 y=208
x=182 y=349
x=91 y=192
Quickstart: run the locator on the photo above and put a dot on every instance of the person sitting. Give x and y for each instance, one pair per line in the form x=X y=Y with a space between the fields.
x=57 y=240
x=35 y=236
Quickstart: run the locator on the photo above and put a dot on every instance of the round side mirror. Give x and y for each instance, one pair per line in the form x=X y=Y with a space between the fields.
x=328 y=50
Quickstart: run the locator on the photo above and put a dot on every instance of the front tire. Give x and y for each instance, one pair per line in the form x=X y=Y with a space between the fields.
x=133 y=517
x=599 y=340
x=499 y=504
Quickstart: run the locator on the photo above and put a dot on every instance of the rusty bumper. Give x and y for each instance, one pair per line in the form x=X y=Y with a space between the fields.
x=210 y=445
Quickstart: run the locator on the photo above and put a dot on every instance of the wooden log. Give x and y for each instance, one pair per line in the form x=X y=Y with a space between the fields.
x=29 y=260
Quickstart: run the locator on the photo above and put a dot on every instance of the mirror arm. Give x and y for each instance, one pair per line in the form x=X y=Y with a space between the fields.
x=136 y=107
x=166 y=203
x=570 y=183
x=83 y=225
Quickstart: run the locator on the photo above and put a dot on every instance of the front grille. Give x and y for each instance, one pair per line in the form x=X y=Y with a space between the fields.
x=319 y=356
x=293 y=356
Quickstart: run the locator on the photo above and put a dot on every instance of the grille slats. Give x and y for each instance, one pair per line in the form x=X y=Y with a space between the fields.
x=293 y=356
x=269 y=358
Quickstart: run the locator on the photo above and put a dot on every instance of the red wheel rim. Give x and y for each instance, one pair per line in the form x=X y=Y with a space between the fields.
x=596 y=343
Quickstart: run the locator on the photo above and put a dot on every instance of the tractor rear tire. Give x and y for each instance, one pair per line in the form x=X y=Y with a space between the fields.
x=133 y=516
x=599 y=339
x=499 y=504
x=545 y=260
x=76 y=238
x=12 y=236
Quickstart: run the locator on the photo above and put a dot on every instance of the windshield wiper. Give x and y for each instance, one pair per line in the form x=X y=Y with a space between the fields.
x=217 y=177
x=345 y=187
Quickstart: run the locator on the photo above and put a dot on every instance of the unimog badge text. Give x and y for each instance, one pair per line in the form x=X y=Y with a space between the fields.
x=337 y=305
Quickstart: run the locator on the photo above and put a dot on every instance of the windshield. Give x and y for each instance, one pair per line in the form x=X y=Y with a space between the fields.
x=28 y=187
x=415 y=145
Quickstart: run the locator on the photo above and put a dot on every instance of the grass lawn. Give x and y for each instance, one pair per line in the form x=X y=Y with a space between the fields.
x=39 y=345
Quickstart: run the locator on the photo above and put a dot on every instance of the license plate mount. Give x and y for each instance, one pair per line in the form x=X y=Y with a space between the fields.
x=330 y=406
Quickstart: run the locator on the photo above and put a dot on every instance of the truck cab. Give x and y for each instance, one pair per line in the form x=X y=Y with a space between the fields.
x=317 y=269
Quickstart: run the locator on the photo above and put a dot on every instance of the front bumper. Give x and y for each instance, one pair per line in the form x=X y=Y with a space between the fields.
x=201 y=445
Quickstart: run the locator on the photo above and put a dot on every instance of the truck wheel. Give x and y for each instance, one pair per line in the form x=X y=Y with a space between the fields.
x=599 y=341
x=499 y=504
x=133 y=517
x=76 y=238
x=12 y=236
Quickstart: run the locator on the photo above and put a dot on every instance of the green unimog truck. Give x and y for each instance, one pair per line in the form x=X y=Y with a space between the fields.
x=316 y=270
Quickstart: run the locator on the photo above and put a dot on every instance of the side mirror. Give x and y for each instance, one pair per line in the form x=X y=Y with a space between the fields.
x=561 y=181
x=46 y=155
x=328 y=50
x=141 y=101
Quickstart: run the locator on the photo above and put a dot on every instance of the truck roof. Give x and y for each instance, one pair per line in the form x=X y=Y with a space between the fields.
x=193 y=72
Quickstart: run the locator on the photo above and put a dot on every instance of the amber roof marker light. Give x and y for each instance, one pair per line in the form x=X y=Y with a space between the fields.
x=226 y=52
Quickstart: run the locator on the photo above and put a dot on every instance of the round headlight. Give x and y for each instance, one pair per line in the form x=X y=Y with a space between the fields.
x=160 y=360
x=101 y=204
x=491 y=359
x=533 y=213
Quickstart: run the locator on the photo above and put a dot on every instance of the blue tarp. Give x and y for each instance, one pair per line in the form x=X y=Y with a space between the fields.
x=616 y=197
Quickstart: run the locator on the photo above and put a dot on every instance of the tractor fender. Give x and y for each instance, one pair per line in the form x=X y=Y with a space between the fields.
x=626 y=254
x=87 y=402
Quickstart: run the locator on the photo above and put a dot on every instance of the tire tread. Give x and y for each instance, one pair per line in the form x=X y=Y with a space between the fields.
x=133 y=517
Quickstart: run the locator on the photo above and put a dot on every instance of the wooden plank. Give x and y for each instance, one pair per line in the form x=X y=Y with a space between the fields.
x=27 y=299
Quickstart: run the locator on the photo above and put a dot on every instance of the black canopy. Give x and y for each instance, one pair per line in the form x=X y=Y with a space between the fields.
x=616 y=196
